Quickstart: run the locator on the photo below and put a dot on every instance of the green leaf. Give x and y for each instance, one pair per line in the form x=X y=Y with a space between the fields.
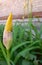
x=23 y=52
x=25 y=62
x=19 y=45
x=3 y=63
x=29 y=56
x=3 y=50
x=40 y=61
x=12 y=63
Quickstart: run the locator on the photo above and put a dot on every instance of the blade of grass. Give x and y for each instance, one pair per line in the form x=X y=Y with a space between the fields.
x=37 y=35
x=22 y=31
x=2 y=48
x=29 y=47
x=3 y=51
x=30 y=28
x=4 y=54
x=23 y=52
x=19 y=45
x=33 y=43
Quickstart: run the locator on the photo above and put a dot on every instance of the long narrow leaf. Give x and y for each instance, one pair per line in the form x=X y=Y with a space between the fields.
x=23 y=52
x=19 y=45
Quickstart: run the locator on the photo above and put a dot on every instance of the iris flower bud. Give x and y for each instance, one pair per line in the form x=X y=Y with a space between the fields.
x=7 y=34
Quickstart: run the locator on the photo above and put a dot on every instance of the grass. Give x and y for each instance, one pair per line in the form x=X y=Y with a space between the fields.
x=26 y=47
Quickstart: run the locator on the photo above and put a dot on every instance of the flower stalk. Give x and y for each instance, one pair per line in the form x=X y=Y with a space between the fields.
x=7 y=37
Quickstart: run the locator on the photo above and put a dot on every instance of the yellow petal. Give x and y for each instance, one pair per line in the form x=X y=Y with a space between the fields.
x=8 y=26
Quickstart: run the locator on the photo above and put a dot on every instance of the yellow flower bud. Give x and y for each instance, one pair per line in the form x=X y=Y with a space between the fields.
x=8 y=26
x=7 y=35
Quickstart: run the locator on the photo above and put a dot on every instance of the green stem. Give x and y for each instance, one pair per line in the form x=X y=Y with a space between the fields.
x=4 y=54
x=8 y=57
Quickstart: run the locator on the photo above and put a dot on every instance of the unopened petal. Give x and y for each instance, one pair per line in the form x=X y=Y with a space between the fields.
x=8 y=26
x=7 y=39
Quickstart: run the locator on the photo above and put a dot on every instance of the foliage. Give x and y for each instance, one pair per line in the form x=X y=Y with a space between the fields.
x=26 y=48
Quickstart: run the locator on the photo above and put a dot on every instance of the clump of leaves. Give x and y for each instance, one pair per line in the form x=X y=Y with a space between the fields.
x=26 y=48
